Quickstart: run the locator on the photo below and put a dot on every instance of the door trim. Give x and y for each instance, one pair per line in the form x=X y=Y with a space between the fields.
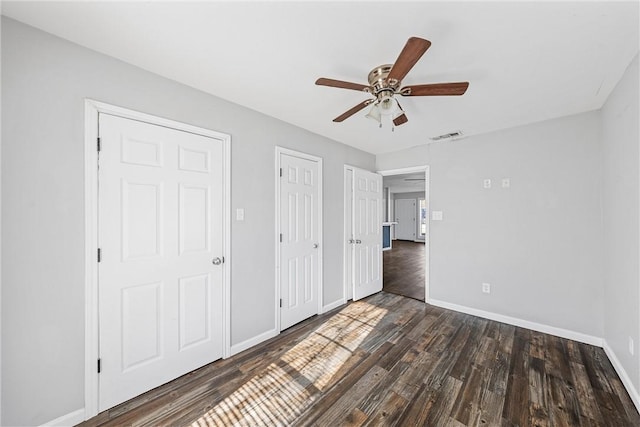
x=91 y=110
x=287 y=151
x=427 y=243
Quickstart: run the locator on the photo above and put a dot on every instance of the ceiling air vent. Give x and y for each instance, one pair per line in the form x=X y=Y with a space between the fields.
x=452 y=135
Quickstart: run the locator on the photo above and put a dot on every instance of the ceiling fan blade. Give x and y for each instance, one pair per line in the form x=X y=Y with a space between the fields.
x=436 y=89
x=341 y=84
x=400 y=120
x=411 y=53
x=352 y=111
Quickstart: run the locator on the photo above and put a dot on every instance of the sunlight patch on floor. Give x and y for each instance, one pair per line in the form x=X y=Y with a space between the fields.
x=322 y=354
x=281 y=392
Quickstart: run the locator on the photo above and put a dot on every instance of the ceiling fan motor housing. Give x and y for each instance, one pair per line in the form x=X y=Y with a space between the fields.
x=378 y=80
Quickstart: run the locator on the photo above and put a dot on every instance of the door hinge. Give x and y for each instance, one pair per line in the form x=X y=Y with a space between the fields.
x=99 y=254
x=99 y=365
x=280 y=171
x=280 y=237
x=99 y=146
x=280 y=302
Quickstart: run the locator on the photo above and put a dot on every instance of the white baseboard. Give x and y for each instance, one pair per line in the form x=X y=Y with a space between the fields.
x=552 y=330
x=333 y=305
x=71 y=419
x=242 y=346
x=626 y=381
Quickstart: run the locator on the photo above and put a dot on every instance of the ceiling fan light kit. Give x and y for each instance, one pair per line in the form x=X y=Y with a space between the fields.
x=385 y=82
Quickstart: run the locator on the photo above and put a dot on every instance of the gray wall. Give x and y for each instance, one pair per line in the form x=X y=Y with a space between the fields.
x=539 y=243
x=45 y=81
x=621 y=138
x=412 y=195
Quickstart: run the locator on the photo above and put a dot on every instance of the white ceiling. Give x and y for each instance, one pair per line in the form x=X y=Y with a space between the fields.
x=525 y=62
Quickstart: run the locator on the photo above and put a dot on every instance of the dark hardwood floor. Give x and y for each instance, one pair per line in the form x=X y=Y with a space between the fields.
x=403 y=269
x=391 y=360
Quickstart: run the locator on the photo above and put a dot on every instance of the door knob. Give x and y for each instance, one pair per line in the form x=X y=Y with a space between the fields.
x=351 y=241
x=358 y=241
x=217 y=260
x=315 y=246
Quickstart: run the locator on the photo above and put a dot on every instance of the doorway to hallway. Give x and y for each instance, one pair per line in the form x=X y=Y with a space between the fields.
x=406 y=259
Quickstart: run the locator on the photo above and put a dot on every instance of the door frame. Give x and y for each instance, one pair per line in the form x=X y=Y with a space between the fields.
x=92 y=108
x=287 y=151
x=427 y=243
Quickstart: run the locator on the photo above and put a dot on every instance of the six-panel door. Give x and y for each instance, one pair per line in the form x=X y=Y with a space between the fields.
x=367 y=211
x=299 y=249
x=160 y=226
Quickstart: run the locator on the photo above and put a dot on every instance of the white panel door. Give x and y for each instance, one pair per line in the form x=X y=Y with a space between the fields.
x=299 y=248
x=367 y=228
x=160 y=227
x=406 y=211
x=348 y=232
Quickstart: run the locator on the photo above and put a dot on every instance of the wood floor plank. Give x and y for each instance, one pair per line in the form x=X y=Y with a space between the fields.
x=588 y=404
x=467 y=404
x=417 y=412
x=334 y=414
x=388 y=411
x=391 y=360
x=444 y=400
x=538 y=391
x=356 y=418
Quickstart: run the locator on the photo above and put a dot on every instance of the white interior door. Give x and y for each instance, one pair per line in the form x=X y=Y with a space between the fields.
x=367 y=229
x=348 y=233
x=406 y=211
x=160 y=228
x=299 y=266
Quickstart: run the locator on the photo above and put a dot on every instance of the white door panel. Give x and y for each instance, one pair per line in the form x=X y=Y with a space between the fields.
x=406 y=211
x=348 y=232
x=299 y=249
x=160 y=226
x=367 y=213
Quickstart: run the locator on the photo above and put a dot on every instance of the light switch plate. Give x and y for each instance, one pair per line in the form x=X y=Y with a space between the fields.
x=506 y=183
x=486 y=183
x=240 y=214
x=436 y=215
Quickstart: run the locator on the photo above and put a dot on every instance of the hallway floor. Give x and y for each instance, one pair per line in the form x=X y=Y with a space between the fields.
x=403 y=271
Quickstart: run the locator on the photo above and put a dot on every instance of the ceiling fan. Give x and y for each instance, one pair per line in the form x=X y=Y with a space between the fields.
x=384 y=84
